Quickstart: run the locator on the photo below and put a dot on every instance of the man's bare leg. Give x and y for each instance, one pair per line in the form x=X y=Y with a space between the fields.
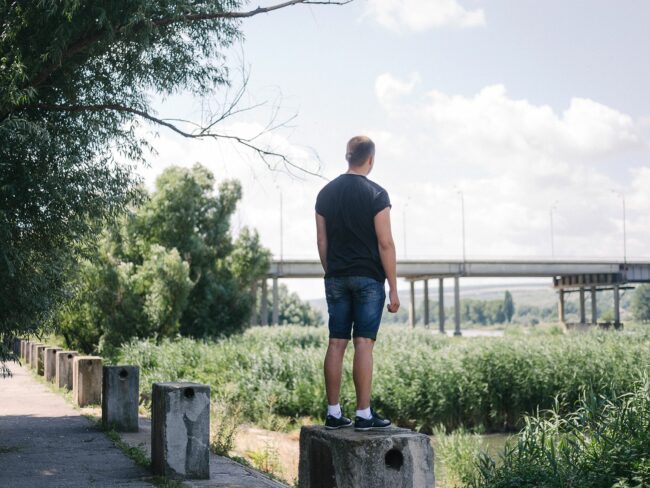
x=362 y=370
x=334 y=369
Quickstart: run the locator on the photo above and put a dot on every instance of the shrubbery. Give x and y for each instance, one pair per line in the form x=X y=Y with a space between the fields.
x=604 y=443
x=421 y=380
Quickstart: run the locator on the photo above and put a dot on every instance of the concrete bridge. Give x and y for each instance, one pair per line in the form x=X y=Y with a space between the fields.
x=567 y=276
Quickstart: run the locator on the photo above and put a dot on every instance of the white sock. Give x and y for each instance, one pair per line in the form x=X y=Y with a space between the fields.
x=365 y=413
x=334 y=410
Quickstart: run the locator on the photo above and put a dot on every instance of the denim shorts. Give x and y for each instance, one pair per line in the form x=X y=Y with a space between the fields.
x=354 y=302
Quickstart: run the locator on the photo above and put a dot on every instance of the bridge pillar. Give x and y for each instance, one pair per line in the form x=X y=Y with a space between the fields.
x=457 y=331
x=276 y=302
x=426 y=303
x=441 y=305
x=264 y=306
x=594 y=306
x=412 y=304
x=560 y=308
x=583 y=318
x=617 y=307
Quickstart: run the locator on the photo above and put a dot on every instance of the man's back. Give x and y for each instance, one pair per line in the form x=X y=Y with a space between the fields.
x=349 y=204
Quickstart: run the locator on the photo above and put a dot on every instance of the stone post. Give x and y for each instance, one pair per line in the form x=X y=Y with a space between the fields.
x=32 y=354
x=40 y=358
x=23 y=343
x=180 y=430
x=376 y=459
x=87 y=380
x=50 y=363
x=120 y=397
x=64 y=368
x=28 y=353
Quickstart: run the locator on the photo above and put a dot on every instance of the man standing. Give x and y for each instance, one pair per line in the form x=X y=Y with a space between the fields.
x=356 y=249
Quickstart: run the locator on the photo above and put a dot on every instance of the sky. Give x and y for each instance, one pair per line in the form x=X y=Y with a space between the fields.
x=529 y=111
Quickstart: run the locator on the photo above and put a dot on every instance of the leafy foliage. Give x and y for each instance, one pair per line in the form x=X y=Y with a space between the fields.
x=168 y=267
x=292 y=310
x=421 y=380
x=73 y=77
x=604 y=443
x=641 y=303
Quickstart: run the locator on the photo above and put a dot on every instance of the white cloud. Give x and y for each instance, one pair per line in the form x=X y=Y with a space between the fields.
x=513 y=159
x=421 y=15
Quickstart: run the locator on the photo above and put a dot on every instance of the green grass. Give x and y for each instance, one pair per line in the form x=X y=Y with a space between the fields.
x=274 y=374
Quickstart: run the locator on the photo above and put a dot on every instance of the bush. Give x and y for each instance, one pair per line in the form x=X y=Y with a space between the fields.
x=421 y=379
x=604 y=443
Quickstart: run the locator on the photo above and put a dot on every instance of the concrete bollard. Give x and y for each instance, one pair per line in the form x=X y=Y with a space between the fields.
x=32 y=354
x=50 y=363
x=40 y=359
x=22 y=348
x=28 y=349
x=120 y=397
x=375 y=459
x=17 y=342
x=180 y=430
x=64 y=368
x=87 y=380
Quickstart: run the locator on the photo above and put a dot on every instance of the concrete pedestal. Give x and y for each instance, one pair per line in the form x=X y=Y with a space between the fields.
x=23 y=344
x=32 y=354
x=87 y=380
x=26 y=349
x=180 y=430
x=344 y=458
x=50 y=363
x=120 y=397
x=40 y=359
x=63 y=372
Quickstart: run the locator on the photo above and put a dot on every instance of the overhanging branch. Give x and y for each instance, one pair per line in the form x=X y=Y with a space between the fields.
x=263 y=153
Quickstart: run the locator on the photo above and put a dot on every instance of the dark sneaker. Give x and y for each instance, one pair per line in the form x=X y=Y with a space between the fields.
x=332 y=422
x=374 y=422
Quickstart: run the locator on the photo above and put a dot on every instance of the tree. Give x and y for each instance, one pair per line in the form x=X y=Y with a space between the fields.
x=641 y=303
x=168 y=267
x=75 y=83
x=508 y=306
x=292 y=310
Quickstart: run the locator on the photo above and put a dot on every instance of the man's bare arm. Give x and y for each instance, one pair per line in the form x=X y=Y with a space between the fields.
x=321 y=239
x=387 y=255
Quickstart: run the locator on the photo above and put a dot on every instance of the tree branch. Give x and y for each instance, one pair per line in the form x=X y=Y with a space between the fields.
x=84 y=43
x=249 y=142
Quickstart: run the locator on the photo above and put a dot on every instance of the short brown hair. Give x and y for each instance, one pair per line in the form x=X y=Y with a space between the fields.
x=360 y=148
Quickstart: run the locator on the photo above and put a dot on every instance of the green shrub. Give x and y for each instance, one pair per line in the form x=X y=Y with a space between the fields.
x=604 y=443
x=421 y=379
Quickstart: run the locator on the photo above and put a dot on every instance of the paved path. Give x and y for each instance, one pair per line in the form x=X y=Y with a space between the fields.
x=44 y=442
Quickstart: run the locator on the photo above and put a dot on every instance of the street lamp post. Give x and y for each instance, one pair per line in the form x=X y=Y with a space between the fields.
x=551 y=210
x=622 y=197
x=462 y=215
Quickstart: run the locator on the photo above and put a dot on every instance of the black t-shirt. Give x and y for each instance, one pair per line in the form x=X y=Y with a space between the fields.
x=349 y=204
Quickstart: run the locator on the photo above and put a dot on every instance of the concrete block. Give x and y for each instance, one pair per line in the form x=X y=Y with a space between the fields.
x=87 y=380
x=180 y=430
x=120 y=397
x=375 y=459
x=64 y=368
x=50 y=363
x=16 y=346
x=32 y=354
x=23 y=342
x=40 y=358
x=28 y=348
